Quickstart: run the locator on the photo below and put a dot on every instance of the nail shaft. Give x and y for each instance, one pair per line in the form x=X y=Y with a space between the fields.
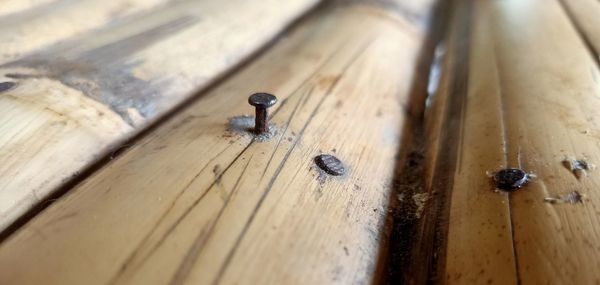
x=261 y=120
x=261 y=101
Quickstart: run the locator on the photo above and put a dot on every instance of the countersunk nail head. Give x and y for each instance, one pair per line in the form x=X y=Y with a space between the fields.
x=5 y=86
x=262 y=100
x=330 y=164
x=511 y=179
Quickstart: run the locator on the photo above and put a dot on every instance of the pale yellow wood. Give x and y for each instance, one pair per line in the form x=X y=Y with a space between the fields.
x=531 y=101
x=21 y=34
x=196 y=203
x=8 y=7
x=555 y=244
x=479 y=244
x=586 y=15
x=78 y=100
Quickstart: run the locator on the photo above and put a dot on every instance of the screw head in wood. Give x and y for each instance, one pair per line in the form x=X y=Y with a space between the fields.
x=511 y=179
x=330 y=164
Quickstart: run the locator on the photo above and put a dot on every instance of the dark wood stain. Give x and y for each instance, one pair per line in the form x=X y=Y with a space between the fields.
x=452 y=138
x=418 y=247
x=104 y=73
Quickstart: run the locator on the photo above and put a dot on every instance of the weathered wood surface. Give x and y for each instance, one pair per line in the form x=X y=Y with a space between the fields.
x=520 y=90
x=92 y=73
x=585 y=14
x=201 y=201
x=13 y=7
x=27 y=26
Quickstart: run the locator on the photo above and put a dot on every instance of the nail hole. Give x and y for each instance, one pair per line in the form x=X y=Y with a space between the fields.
x=578 y=167
x=571 y=198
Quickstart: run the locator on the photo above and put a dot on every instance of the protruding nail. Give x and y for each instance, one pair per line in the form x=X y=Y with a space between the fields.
x=262 y=101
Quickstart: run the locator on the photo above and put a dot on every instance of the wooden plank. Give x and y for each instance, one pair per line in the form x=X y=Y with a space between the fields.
x=46 y=23
x=525 y=96
x=12 y=7
x=554 y=243
x=78 y=100
x=584 y=14
x=425 y=236
x=201 y=201
x=479 y=222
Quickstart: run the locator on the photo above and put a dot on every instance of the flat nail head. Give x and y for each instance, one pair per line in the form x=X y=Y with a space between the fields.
x=330 y=164
x=262 y=100
x=511 y=179
x=5 y=86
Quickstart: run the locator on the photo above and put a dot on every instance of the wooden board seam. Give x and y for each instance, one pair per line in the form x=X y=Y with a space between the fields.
x=122 y=146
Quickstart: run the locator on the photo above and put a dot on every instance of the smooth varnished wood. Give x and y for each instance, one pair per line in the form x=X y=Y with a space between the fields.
x=78 y=99
x=200 y=200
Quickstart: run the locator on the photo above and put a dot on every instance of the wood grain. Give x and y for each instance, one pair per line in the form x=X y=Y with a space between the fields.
x=479 y=246
x=524 y=96
x=584 y=14
x=42 y=23
x=79 y=99
x=8 y=7
x=201 y=200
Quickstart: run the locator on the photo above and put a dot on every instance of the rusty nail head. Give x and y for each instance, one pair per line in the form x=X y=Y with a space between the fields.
x=7 y=85
x=511 y=179
x=330 y=164
x=261 y=101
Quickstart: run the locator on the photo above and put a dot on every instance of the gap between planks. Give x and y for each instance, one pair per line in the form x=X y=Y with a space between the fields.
x=360 y=264
x=69 y=107
x=117 y=151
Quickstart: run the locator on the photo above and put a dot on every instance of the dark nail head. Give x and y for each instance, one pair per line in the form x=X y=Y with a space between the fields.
x=511 y=179
x=264 y=100
x=330 y=164
x=5 y=86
